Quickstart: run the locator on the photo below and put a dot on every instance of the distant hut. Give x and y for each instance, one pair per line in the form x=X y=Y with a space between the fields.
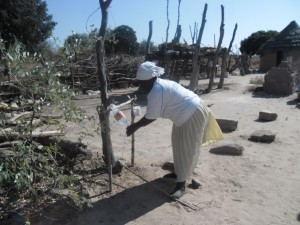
x=285 y=46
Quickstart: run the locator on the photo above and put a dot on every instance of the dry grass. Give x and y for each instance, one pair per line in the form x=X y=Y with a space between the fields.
x=257 y=80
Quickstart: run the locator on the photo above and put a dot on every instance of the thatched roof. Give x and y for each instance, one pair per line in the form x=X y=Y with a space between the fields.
x=288 y=38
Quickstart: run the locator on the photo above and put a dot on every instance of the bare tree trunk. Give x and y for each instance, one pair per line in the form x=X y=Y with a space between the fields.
x=178 y=27
x=177 y=36
x=149 y=37
x=182 y=72
x=223 y=67
x=194 y=32
x=233 y=36
x=229 y=49
x=225 y=60
x=211 y=79
x=108 y=154
x=168 y=26
x=196 y=61
x=245 y=64
x=168 y=56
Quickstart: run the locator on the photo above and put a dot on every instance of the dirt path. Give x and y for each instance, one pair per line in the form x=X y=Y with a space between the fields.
x=260 y=187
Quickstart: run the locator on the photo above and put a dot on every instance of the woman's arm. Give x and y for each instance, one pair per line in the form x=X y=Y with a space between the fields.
x=135 y=126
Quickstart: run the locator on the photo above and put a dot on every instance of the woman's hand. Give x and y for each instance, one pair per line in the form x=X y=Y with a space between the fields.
x=131 y=129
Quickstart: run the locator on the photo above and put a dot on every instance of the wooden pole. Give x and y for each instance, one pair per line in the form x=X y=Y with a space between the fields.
x=212 y=76
x=149 y=37
x=107 y=128
x=196 y=61
x=109 y=147
x=108 y=153
x=230 y=45
x=132 y=136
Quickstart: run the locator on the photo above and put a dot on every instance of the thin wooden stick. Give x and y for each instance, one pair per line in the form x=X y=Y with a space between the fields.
x=125 y=103
x=132 y=136
x=163 y=191
x=14 y=135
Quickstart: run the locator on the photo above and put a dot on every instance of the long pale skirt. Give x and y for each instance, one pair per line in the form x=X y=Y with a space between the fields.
x=201 y=129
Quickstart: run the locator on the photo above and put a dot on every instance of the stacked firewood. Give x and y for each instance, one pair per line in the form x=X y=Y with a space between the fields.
x=16 y=116
x=82 y=73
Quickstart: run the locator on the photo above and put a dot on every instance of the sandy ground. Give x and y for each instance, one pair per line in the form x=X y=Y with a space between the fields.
x=262 y=186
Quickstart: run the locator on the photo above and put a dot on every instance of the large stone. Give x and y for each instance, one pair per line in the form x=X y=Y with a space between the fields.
x=267 y=115
x=264 y=136
x=227 y=125
x=227 y=149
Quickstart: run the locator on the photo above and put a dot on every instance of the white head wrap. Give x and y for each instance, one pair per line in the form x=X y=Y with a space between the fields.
x=148 y=70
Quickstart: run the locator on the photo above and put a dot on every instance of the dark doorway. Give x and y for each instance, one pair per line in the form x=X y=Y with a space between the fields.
x=279 y=57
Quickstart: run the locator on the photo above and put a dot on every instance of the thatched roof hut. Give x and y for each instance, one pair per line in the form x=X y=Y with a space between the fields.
x=285 y=46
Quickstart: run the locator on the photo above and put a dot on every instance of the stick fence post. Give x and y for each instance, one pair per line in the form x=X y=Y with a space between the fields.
x=109 y=148
x=132 y=136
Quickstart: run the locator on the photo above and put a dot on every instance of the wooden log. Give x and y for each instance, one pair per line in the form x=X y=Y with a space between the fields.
x=70 y=148
x=13 y=120
x=5 y=152
x=35 y=134
x=9 y=144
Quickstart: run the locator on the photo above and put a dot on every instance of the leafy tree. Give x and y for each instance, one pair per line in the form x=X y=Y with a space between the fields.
x=143 y=44
x=110 y=42
x=76 y=43
x=251 y=44
x=25 y=20
x=126 y=41
x=79 y=44
x=77 y=39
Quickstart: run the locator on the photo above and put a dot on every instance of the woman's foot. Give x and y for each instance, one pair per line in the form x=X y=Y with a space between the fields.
x=170 y=176
x=178 y=190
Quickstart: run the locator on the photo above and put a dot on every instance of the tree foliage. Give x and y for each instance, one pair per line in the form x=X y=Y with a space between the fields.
x=25 y=20
x=143 y=44
x=251 y=44
x=76 y=40
x=125 y=40
x=119 y=40
x=33 y=170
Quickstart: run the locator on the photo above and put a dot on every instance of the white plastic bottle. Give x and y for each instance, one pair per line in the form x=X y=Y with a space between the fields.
x=119 y=116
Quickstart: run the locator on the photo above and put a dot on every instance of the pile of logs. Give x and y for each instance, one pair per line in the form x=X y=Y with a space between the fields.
x=42 y=130
x=12 y=123
x=81 y=73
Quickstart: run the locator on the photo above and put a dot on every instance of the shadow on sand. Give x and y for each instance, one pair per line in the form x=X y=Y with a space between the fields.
x=260 y=93
x=118 y=209
x=295 y=102
x=125 y=206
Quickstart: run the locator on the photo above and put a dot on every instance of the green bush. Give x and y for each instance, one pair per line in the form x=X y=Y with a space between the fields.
x=32 y=170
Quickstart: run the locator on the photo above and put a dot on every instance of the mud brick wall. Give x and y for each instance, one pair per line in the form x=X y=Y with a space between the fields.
x=279 y=81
